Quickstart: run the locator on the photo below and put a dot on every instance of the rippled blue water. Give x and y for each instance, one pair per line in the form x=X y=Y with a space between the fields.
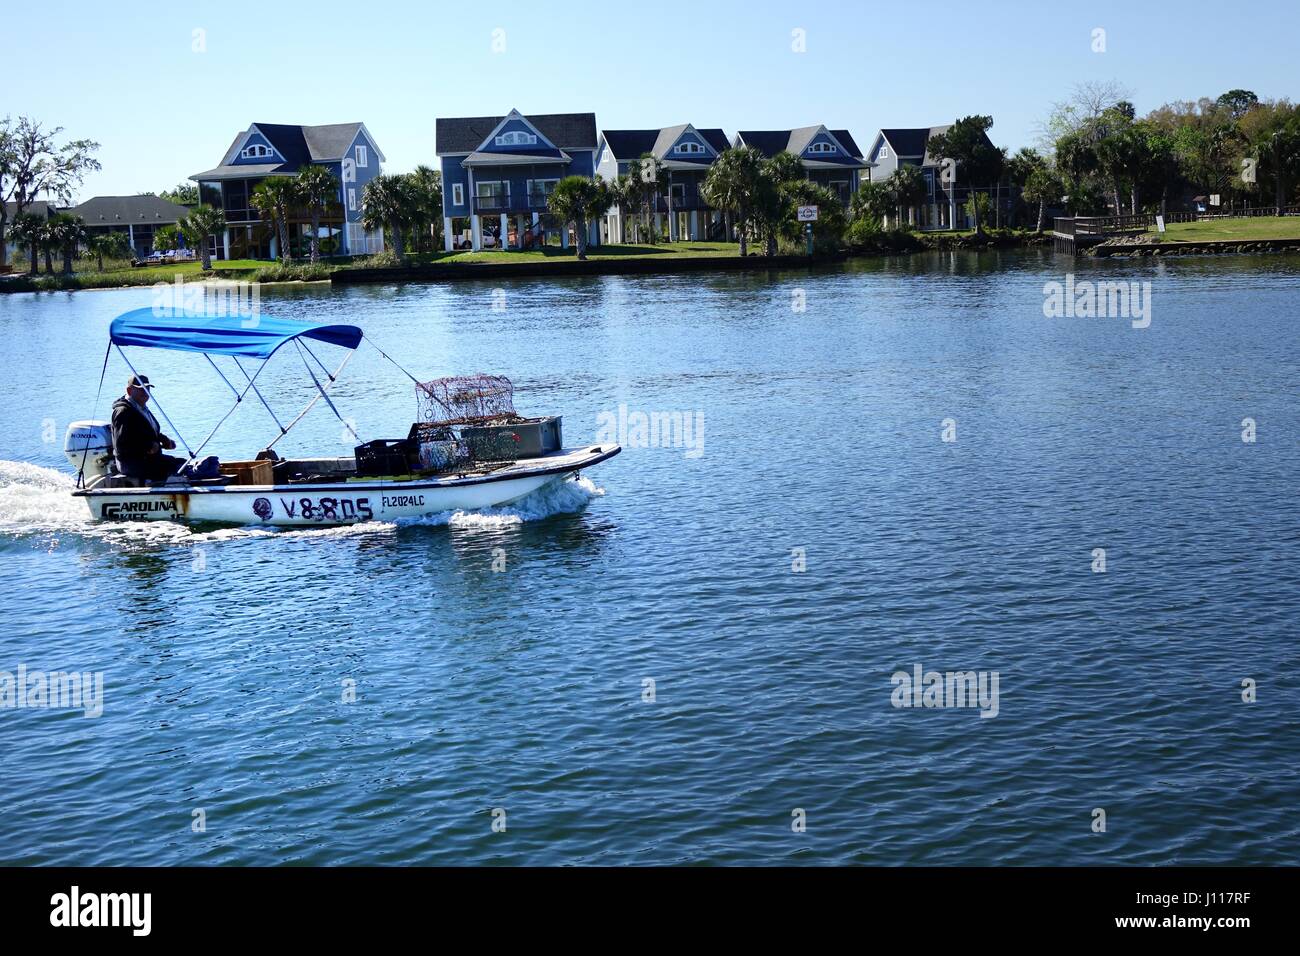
x=225 y=652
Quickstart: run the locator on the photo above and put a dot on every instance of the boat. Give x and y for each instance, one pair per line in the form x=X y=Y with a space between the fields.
x=454 y=460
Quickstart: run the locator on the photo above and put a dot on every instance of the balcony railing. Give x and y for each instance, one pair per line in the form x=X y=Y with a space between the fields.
x=534 y=201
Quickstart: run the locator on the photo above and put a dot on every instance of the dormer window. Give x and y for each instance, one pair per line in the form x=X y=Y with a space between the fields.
x=884 y=151
x=689 y=148
x=255 y=152
x=516 y=138
x=821 y=148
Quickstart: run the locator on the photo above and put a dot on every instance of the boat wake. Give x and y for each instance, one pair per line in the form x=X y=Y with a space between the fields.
x=36 y=502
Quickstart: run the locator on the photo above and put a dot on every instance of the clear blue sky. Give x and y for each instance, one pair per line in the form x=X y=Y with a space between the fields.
x=125 y=74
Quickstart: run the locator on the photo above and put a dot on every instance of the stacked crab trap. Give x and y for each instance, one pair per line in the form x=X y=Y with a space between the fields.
x=467 y=423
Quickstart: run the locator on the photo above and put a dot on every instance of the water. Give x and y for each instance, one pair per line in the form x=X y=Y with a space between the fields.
x=225 y=652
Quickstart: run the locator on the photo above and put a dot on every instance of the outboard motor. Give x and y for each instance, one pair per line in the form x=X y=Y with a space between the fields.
x=89 y=447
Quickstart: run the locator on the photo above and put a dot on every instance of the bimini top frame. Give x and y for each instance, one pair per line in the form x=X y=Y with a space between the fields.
x=238 y=337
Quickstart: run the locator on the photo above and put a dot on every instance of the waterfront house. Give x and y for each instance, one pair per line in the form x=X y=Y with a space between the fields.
x=830 y=157
x=687 y=153
x=136 y=217
x=497 y=172
x=271 y=149
x=946 y=196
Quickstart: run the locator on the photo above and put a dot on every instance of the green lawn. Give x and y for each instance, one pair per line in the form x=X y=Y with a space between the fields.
x=1257 y=227
x=121 y=274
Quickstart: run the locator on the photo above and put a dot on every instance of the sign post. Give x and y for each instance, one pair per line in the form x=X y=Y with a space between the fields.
x=807 y=216
x=1160 y=223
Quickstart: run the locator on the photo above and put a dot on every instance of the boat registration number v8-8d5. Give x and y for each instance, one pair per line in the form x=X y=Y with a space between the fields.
x=318 y=509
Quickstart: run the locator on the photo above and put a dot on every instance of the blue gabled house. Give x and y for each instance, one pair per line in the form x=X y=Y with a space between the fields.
x=687 y=154
x=273 y=149
x=830 y=157
x=497 y=172
x=946 y=196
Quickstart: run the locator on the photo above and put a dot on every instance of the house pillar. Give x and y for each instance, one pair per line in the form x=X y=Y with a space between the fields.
x=659 y=228
x=505 y=231
x=593 y=233
x=225 y=245
x=446 y=234
x=695 y=225
x=672 y=225
x=130 y=238
x=475 y=233
x=564 y=236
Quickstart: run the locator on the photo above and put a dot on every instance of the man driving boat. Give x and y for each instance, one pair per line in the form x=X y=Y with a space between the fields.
x=138 y=442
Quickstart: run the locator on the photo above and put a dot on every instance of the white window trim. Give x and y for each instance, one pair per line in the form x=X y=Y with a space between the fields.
x=362 y=155
x=884 y=151
x=516 y=137
x=689 y=148
x=822 y=148
x=255 y=151
x=352 y=200
x=458 y=194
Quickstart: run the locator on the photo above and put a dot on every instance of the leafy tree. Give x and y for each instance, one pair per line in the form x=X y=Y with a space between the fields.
x=966 y=142
x=198 y=226
x=111 y=245
x=317 y=190
x=31 y=163
x=1238 y=102
x=387 y=202
x=273 y=197
x=576 y=200
x=183 y=194
x=733 y=184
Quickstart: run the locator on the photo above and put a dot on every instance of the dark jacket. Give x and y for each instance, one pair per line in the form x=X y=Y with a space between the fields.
x=134 y=439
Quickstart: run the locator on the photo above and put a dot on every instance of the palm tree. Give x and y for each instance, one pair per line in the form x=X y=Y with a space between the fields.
x=166 y=238
x=1042 y=185
x=203 y=222
x=49 y=242
x=733 y=184
x=67 y=233
x=388 y=201
x=425 y=185
x=577 y=199
x=906 y=188
x=317 y=188
x=28 y=229
x=273 y=198
x=110 y=244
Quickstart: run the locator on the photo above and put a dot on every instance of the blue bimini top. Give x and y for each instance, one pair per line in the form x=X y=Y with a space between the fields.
x=251 y=337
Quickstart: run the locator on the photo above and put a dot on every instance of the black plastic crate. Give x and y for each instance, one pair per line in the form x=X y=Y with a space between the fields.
x=385 y=456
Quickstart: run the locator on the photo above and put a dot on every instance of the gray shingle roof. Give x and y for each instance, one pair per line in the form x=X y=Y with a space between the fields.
x=769 y=142
x=464 y=134
x=124 y=210
x=630 y=143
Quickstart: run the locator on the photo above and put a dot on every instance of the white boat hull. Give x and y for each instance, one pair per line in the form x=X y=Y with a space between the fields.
x=339 y=503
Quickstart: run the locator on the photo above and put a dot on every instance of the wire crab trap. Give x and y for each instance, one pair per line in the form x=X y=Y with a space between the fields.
x=466 y=400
